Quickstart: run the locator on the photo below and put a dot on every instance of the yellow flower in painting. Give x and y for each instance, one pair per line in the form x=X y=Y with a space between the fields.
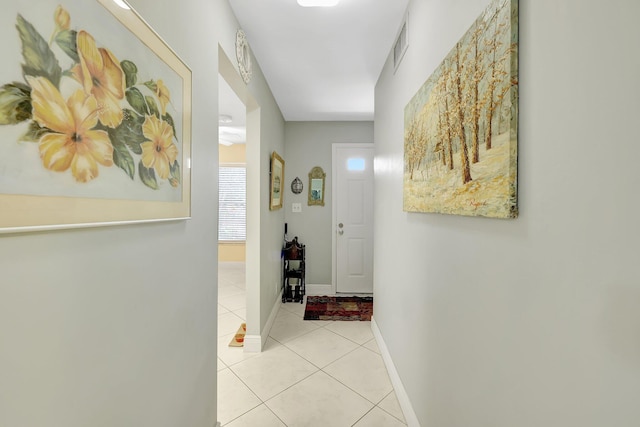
x=72 y=142
x=62 y=18
x=100 y=74
x=163 y=95
x=158 y=152
x=63 y=21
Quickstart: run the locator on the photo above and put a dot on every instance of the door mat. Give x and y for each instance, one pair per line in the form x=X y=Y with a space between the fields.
x=338 y=308
x=238 y=339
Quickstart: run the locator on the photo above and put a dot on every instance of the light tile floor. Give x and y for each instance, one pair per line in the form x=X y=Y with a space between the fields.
x=310 y=373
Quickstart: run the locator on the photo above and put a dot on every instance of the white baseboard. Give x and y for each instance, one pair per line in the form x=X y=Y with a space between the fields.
x=252 y=344
x=401 y=393
x=255 y=343
x=319 y=290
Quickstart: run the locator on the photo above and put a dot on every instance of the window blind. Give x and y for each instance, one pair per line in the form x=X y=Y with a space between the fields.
x=232 y=207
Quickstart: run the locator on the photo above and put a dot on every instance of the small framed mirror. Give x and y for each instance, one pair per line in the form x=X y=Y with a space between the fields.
x=316 y=186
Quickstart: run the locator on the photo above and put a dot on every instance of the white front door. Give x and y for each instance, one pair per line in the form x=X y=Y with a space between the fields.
x=353 y=217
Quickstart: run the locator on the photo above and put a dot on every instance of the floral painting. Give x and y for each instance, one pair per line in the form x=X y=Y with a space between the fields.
x=87 y=108
x=460 y=141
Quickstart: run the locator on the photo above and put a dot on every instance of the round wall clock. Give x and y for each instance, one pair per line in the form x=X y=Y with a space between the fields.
x=243 y=56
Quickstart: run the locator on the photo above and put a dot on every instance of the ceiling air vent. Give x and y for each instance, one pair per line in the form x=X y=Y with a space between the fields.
x=402 y=42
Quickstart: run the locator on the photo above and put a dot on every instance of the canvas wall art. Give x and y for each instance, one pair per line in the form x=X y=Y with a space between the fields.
x=461 y=127
x=95 y=118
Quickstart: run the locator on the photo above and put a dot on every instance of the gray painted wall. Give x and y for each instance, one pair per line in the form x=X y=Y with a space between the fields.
x=534 y=321
x=116 y=326
x=308 y=144
x=272 y=135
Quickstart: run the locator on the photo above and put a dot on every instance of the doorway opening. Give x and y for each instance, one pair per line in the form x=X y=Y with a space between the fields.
x=236 y=101
x=232 y=214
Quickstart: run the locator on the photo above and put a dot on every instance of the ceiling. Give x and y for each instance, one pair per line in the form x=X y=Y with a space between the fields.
x=321 y=64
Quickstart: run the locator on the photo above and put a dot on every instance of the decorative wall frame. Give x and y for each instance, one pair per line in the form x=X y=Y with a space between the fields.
x=95 y=125
x=277 y=182
x=316 y=187
x=243 y=55
x=461 y=127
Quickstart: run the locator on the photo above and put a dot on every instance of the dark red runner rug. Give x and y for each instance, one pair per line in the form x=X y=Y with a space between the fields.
x=338 y=308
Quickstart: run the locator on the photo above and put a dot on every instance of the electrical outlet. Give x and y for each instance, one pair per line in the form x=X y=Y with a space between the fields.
x=296 y=207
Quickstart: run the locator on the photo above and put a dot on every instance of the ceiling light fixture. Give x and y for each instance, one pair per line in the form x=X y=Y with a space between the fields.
x=224 y=119
x=122 y=4
x=318 y=3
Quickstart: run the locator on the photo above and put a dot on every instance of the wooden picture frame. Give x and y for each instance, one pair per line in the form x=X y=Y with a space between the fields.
x=119 y=149
x=277 y=182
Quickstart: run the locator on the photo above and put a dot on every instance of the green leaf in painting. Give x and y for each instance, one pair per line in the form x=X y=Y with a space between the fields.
x=66 y=39
x=122 y=158
x=136 y=100
x=15 y=103
x=130 y=72
x=151 y=85
x=167 y=118
x=147 y=176
x=34 y=132
x=39 y=60
x=129 y=132
x=153 y=106
x=175 y=175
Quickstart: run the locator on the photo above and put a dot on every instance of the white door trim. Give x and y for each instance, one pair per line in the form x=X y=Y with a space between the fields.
x=334 y=205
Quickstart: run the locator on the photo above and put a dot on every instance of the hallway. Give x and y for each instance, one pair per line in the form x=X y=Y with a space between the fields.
x=311 y=373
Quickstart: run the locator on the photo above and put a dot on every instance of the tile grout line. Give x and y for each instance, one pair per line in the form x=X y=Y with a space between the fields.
x=382 y=409
x=296 y=312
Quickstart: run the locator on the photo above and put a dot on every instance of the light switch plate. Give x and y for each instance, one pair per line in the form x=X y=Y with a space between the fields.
x=296 y=207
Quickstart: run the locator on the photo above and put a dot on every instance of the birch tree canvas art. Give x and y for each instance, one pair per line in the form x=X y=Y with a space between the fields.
x=460 y=140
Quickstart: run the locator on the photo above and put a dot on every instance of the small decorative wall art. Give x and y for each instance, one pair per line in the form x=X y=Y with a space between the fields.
x=316 y=187
x=95 y=118
x=460 y=130
x=243 y=56
x=277 y=181
x=297 y=186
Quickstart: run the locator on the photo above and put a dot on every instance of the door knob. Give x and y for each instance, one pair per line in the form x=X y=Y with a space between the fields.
x=340 y=225
x=341 y=232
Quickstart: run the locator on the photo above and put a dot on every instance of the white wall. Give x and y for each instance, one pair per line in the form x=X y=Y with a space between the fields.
x=308 y=144
x=533 y=321
x=116 y=326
